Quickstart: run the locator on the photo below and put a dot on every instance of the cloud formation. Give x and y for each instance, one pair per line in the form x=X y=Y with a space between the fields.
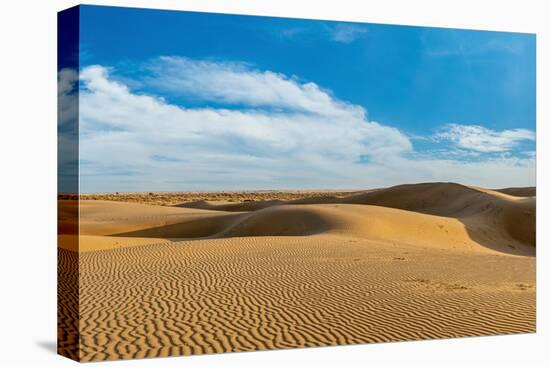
x=347 y=33
x=67 y=125
x=480 y=139
x=237 y=83
x=276 y=132
x=325 y=31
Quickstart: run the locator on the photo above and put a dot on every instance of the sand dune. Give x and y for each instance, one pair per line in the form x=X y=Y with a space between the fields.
x=247 y=206
x=477 y=208
x=107 y=218
x=101 y=222
x=363 y=221
x=408 y=262
x=519 y=191
x=487 y=214
x=446 y=199
x=450 y=215
x=67 y=217
x=380 y=224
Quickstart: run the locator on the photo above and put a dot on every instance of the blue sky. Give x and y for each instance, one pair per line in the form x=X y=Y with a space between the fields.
x=264 y=103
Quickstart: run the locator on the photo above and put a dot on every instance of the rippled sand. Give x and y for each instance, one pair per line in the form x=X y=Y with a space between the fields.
x=160 y=281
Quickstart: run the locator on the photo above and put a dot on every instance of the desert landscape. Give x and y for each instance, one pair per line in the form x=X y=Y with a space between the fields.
x=162 y=274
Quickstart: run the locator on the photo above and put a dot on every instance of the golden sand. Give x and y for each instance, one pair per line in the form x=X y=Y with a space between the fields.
x=409 y=262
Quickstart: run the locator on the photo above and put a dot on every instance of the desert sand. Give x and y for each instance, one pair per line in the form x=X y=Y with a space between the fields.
x=243 y=273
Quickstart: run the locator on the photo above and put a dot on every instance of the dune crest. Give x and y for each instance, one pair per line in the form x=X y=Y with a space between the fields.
x=444 y=215
x=519 y=191
x=372 y=223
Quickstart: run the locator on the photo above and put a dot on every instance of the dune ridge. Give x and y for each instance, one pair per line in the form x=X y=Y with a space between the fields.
x=408 y=262
x=519 y=191
x=450 y=215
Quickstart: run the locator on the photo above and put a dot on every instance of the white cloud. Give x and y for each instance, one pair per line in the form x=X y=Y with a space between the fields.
x=138 y=142
x=331 y=31
x=347 y=33
x=237 y=83
x=67 y=114
x=480 y=139
x=123 y=131
x=67 y=106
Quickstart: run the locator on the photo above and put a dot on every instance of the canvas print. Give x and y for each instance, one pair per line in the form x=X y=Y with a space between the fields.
x=235 y=183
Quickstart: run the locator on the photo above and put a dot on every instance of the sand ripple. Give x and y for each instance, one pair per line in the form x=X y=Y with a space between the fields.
x=245 y=294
